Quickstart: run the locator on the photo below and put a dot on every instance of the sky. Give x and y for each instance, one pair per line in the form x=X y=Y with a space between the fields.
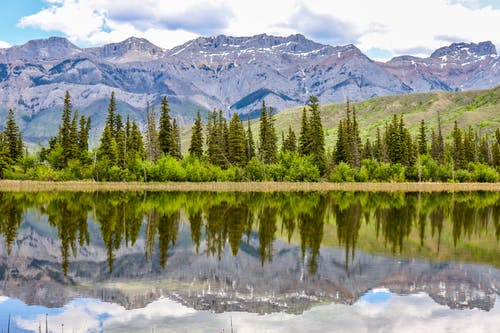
x=381 y=29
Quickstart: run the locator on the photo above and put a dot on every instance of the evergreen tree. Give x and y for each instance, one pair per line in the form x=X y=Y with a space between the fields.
x=317 y=147
x=237 y=146
x=304 y=135
x=196 y=147
x=166 y=134
x=5 y=160
x=355 y=141
x=83 y=138
x=152 y=146
x=422 y=138
x=12 y=137
x=267 y=135
x=290 y=142
x=175 y=143
x=135 y=146
x=341 y=145
x=250 y=142
x=216 y=143
x=458 y=148
x=440 y=142
x=73 y=137
x=379 y=151
x=367 y=151
x=111 y=116
x=65 y=135
x=263 y=131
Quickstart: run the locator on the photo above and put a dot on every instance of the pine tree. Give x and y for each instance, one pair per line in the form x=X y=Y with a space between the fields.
x=12 y=137
x=166 y=135
x=175 y=143
x=317 y=146
x=304 y=135
x=83 y=138
x=290 y=143
x=111 y=116
x=5 y=160
x=341 y=144
x=196 y=147
x=267 y=136
x=65 y=135
x=152 y=146
x=237 y=147
x=250 y=142
x=422 y=138
x=263 y=131
x=440 y=142
x=135 y=146
x=367 y=151
x=355 y=141
x=458 y=149
x=73 y=137
x=379 y=151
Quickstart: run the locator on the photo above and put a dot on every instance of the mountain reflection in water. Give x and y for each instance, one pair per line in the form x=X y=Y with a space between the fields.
x=254 y=252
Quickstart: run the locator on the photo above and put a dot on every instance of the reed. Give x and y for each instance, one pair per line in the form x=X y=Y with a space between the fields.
x=91 y=186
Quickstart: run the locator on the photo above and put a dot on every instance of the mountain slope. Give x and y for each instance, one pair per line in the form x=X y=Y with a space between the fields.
x=234 y=74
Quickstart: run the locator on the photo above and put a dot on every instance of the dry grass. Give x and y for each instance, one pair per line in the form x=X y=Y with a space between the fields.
x=90 y=186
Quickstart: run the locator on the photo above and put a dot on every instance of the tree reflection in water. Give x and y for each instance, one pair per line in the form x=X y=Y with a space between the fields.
x=397 y=223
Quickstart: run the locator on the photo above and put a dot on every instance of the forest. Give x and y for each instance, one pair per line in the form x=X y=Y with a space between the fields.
x=223 y=149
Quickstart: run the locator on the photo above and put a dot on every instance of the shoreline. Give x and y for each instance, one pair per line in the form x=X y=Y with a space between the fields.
x=92 y=186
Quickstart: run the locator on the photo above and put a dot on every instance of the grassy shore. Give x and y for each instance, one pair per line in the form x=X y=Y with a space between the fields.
x=90 y=186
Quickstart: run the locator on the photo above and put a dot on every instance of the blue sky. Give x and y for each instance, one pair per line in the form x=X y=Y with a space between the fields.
x=382 y=29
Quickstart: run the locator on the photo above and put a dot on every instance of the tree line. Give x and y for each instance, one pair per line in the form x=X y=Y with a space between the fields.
x=223 y=149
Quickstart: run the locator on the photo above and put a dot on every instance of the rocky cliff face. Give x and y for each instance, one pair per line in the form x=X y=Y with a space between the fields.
x=231 y=73
x=232 y=283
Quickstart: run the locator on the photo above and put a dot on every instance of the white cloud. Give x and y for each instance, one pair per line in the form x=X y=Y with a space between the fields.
x=4 y=44
x=412 y=314
x=391 y=25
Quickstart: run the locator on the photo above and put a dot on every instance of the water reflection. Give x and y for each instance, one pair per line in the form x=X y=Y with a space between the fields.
x=309 y=247
x=219 y=217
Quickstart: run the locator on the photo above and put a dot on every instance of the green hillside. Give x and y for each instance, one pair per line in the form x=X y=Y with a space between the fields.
x=479 y=109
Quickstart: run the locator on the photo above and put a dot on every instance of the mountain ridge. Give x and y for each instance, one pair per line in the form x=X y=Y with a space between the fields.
x=234 y=74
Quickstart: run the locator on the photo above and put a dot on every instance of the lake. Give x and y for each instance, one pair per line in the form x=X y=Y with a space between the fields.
x=246 y=262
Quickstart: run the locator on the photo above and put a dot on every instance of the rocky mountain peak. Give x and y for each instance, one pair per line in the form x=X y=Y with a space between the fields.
x=53 y=48
x=466 y=50
x=131 y=49
x=222 y=43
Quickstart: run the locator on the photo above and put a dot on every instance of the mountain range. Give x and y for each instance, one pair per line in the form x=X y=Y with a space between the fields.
x=230 y=73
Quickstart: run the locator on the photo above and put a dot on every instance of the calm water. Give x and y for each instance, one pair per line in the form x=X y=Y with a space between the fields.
x=281 y=262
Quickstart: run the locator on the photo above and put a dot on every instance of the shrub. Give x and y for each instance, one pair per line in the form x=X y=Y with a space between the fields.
x=343 y=173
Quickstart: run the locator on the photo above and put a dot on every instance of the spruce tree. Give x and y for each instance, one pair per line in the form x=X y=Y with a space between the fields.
x=317 y=147
x=166 y=135
x=237 y=147
x=5 y=160
x=135 y=146
x=267 y=136
x=83 y=138
x=250 y=142
x=304 y=135
x=458 y=148
x=65 y=135
x=152 y=146
x=422 y=138
x=175 y=143
x=196 y=147
x=263 y=131
x=290 y=143
x=12 y=137
x=111 y=116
